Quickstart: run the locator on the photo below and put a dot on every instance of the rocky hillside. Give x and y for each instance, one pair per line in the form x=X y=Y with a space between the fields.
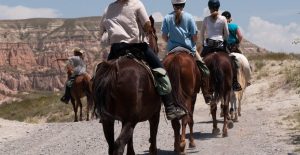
x=29 y=49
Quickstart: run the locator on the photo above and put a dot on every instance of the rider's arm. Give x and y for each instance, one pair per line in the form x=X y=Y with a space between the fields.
x=239 y=35
x=225 y=30
x=165 y=30
x=202 y=31
x=193 y=30
x=102 y=28
x=143 y=18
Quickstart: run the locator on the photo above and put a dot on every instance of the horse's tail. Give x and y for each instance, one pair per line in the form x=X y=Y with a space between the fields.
x=106 y=75
x=218 y=79
x=174 y=72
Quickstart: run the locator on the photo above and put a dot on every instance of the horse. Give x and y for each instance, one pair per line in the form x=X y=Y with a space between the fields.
x=81 y=87
x=244 y=76
x=124 y=90
x=218 y=87
x=185 y=79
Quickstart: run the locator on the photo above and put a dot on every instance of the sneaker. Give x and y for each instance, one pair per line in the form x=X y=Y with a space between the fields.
x=172 y=112
x=64 y=99
x=236 y=86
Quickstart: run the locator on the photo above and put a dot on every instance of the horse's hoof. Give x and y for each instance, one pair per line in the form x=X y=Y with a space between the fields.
x=216 y=131
x=235 y=120
x=225 y=134
x=192 y=145
x=230 y=124
x=182 y=147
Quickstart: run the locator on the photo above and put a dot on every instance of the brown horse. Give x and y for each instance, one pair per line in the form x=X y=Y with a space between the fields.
x=124 y=90
x=218 y=86
x=185 y=79
x=81 y=87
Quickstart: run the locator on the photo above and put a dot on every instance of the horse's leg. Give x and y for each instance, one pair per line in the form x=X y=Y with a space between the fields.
x=88 y=107
x=79 y=103
x=233 y=105
x=154 y=121
x=108 y=129
x=130 y=149
x=124 y=137
x=221 y=107
x=225 y=110
x=75 y=110
x=184 y=122
x=176 y=129
x=213 y=111
x=191 y=123
x=240 y=103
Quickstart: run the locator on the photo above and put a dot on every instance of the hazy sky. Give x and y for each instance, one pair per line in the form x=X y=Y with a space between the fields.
x=272 y=24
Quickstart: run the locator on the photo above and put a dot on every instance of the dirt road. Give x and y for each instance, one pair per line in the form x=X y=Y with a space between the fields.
x=261 y=130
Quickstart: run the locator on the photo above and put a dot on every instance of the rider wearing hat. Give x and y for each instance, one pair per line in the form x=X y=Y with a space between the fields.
x=214 y=33
x=179 y=29
x=126 y=22
x=78 y=67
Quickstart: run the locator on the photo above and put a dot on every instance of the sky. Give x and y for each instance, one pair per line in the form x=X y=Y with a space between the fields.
x=271 y=24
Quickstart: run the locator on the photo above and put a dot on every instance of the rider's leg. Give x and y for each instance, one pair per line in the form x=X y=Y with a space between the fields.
x=201 y=65
x=172 y=112
x=235 y=84
x=67 y=96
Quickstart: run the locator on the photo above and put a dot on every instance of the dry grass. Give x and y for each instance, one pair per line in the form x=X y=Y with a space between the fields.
x=292 y=76
x=274 y=56
x=37 y=108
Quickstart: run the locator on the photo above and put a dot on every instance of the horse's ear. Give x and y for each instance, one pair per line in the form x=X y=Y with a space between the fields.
x=151 y=20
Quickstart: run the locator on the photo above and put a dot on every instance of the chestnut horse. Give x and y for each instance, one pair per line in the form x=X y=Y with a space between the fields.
x=123 y=90
x=185 y=79
x=81 y=87
x=218 y=86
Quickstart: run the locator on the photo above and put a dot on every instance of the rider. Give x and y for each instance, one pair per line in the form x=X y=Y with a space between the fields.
x=235 y=35
x=214 y=32
x=180 y=30
x=78 y=66
x=127 y=22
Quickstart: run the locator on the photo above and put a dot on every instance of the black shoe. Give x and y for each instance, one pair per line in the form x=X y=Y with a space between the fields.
x=173 y=112
x=236 y=86
x=64 y=99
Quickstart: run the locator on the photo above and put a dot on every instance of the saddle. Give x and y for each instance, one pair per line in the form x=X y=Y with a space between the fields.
x=136 y=51
x=121 y=49
x=214 y=46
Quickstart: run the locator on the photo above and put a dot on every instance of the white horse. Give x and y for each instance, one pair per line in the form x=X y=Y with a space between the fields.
x=244 y=76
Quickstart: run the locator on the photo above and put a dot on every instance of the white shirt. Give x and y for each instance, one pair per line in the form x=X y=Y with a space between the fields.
x=124 y=22
x=214 y=29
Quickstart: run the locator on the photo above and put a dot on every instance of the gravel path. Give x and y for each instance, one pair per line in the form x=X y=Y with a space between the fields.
x=260 y=131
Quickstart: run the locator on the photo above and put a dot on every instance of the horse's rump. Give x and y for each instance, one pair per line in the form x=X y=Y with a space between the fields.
x=244 y=71
x=123 y=89
x=184 y=75
x=219 y=64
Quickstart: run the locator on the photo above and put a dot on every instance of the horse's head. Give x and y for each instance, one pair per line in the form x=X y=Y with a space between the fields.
x=153 y=37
